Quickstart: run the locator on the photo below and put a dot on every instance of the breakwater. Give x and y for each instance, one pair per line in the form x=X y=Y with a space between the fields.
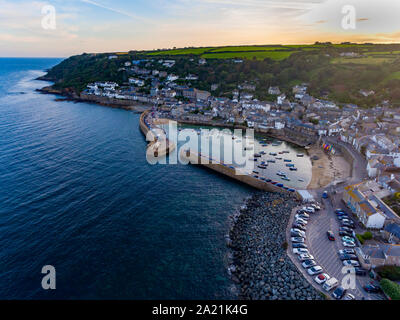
x=260 y=266
x=157 y=147
x=230 y=171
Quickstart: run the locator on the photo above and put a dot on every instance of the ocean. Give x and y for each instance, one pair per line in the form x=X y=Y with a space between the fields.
x=77 y=193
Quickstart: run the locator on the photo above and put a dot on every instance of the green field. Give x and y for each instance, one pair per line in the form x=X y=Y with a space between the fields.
x=259 y=55
x=195 y=51
x=247 y=48
x=371 y=60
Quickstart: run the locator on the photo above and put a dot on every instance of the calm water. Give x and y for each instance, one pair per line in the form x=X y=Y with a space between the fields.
x=77 y=193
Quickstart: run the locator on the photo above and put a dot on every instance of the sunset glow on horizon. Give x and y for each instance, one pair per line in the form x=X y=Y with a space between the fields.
x=118 y=25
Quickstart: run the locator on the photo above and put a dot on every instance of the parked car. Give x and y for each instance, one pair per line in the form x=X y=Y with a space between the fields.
x=301 y=221
x=297 y=234
x=347 y=251
x=308 y=264
x=330 y=235
x=348 y=224
x=370 y=288
x=339 y=210
x=348 y=257
x=348 y=239
x=345 y=233
x=297 y=230
x=347 y=229
x=302 y=216
x=314 y=270
x=349 y=296
x=300 y=250
x=299 y=226
x=321 y=278
x=351 y=263
x=299 y=245
x=360 y=271
x=305 y=256
x=297 y=239
x=339 y=293
x=315 y=206
x=325 y=195
x=349 y=244
x=348 y=221
x=330 y=284
x=343 y=217
x=303 y=213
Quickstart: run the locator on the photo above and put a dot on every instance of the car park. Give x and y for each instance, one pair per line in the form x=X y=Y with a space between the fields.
x=353 y=263
x=339 y=293
x=370 y=288
x=349 y=244
x=305 y=256
x=308 y=264
x=314 y=270
x=297 y=239
x=321 y=278
x=330 y=235
x=300 y=250
x=299 y=245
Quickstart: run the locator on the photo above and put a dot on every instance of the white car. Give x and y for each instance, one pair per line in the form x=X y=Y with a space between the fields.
x=301 y=216
x=301 y=221
x=321 y=278
x=353 y=263
x=349 y=244
x=305 y=256
x=314 y=270
x=297 y=230
x=308 y=264
x=349 y=296
x=297 y=239
x=300 y=250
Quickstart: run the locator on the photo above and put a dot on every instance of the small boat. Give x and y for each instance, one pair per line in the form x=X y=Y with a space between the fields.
x=285 y=178
x=287 y=160
x=262 y=162
x=278 y=158
x=271 y=161
x=300 y=155
x=262 y=167
x=279 y=185
x=248 y=148
x=293 y=169
x=280 y=173
x=256 y=172
x=301 y=180
x=281 y=152
x=286 y=151
x=263 y=152
x=257 y=155
x=255 y=159
x=290 y=165
x=233 y=138
x=273 y=154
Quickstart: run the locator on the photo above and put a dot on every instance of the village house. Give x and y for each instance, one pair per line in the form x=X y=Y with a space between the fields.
x=361 y=206
x=274 y=91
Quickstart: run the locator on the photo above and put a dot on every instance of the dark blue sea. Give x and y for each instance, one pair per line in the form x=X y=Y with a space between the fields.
x=77 y=193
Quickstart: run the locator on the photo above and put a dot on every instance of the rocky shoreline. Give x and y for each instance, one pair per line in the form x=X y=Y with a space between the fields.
x=260 y=266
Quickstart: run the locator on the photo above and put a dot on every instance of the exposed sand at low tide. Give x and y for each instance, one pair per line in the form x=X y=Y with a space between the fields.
x=327 y=168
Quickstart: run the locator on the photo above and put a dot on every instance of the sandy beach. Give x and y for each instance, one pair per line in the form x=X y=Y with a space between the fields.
x=326 y=167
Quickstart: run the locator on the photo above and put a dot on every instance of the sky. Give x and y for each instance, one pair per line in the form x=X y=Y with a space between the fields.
x=27 y=28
